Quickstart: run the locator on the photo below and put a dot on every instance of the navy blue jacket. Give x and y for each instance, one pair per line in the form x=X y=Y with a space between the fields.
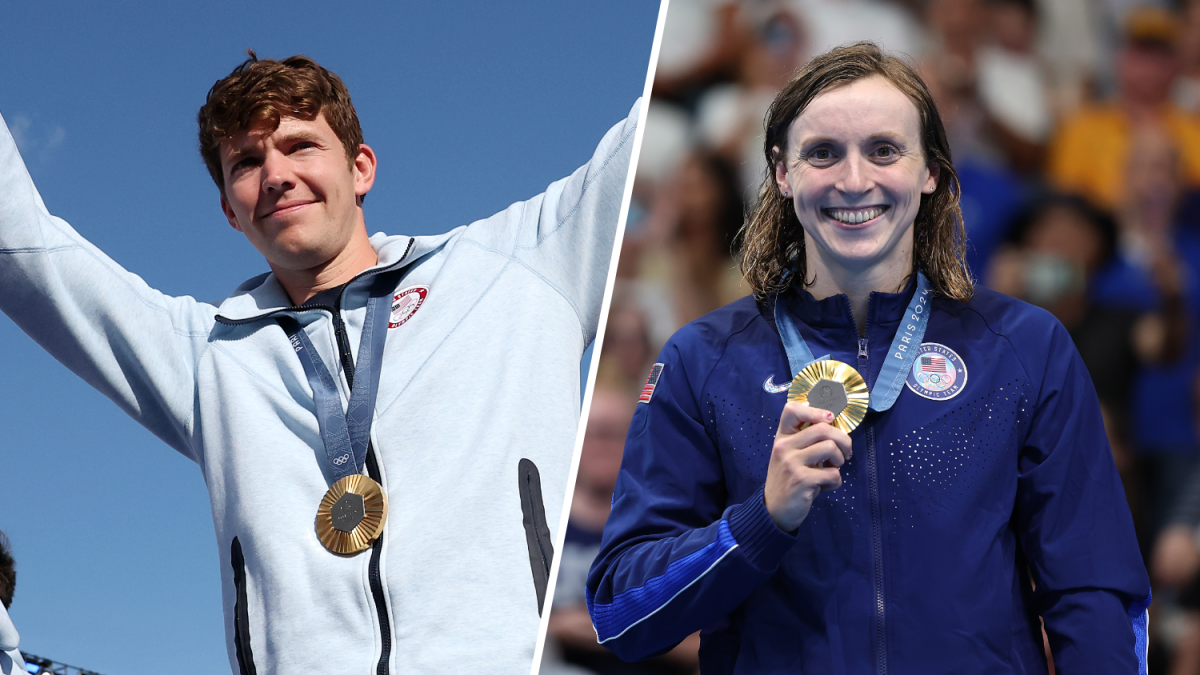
x=922 y=561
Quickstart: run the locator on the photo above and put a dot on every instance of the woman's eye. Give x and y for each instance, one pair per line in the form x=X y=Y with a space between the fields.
x=820 y=154
x=885 y=152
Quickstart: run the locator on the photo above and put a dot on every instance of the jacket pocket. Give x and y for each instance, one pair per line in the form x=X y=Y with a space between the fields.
x=241 y=616
x=537 y=532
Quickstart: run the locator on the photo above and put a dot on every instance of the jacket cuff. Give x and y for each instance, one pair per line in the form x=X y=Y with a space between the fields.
x=761 y=540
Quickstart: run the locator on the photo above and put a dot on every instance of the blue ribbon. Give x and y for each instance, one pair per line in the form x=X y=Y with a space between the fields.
x=900 y=355
x=347 y=435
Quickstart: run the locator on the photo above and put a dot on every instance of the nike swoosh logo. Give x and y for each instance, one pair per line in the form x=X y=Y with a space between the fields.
x=770 y=387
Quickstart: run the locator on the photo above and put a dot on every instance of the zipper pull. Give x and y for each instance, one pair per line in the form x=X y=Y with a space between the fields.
x=862 y=348
x=343 y=341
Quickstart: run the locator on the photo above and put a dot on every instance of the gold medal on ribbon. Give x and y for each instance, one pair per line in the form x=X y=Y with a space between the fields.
x=833 y=386
x=351 y=515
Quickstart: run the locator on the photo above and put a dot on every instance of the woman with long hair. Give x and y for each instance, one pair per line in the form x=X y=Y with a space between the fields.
x=869 y=465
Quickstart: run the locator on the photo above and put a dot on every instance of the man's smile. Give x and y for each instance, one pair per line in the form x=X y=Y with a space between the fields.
x=286 y=208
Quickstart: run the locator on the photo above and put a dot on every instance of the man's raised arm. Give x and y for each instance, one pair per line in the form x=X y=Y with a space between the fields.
x=565 y=235
x=134 y=344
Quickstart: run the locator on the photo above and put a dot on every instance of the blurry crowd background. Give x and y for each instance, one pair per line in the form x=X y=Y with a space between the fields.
x=1075 y=128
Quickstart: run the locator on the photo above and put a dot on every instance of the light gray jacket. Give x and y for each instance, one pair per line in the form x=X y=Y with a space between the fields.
x=511 y=303
x=11 y=662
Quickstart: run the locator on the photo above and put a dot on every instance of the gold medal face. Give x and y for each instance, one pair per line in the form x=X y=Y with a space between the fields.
x=351 y=515
x=833 y=386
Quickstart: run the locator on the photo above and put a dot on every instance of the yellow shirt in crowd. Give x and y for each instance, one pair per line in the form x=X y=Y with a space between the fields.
x=1090 y=151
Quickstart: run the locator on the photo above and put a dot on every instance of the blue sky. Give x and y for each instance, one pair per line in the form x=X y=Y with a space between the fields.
x=469 y=106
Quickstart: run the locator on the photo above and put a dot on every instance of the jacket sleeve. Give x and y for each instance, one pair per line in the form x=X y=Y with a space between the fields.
x=564 y=236
x=675 y=557
x=135 y=345
x=1075 y=527
x=11 y=662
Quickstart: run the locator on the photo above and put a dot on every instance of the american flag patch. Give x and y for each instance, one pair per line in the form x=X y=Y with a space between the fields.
x=933 y=364
x=651 y=383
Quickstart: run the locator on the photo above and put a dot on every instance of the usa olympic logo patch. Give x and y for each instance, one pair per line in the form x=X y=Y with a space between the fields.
x=938 y=373
x=405 y=304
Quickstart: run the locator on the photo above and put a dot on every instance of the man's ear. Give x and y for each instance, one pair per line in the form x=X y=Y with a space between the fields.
x=229 y=214
x=364 y=166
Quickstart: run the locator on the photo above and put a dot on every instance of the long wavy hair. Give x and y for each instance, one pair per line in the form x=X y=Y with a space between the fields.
x=772 y=238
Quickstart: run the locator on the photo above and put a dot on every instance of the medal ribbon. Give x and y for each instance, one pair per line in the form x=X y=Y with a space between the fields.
x=900 y=357
x=346 y=435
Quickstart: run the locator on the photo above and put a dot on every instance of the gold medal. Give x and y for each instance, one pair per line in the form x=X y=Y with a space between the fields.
x=351 y=515
x=833 y=386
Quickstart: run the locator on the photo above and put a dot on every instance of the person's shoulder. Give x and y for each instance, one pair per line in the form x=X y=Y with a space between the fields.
x=717 y=328
x=699 y=347
x=1034 y=337
x=1005 y=315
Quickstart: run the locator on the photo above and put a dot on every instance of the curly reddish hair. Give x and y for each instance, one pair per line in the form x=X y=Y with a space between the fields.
x=261 y=92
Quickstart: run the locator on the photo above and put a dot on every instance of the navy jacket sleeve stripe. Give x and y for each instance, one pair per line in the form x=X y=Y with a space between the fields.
x=1139 y=616
x=635 y=605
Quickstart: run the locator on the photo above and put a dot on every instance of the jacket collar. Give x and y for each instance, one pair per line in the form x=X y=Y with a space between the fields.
x=263 y=295
x=884 y=309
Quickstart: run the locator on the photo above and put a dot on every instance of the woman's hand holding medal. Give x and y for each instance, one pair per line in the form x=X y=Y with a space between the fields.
x=805 y=459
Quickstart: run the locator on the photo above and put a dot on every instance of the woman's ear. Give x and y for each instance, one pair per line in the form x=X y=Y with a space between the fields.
x=781 y=173
x=935 y=171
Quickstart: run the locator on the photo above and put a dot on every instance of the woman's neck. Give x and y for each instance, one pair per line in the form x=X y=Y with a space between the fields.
x=829 y=279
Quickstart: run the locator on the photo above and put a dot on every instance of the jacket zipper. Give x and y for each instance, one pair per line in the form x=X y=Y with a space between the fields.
x=347 y=358
x=385 y=626
x=878 y=625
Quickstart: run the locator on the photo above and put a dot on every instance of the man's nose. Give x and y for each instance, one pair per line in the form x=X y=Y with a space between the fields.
x=277 y=173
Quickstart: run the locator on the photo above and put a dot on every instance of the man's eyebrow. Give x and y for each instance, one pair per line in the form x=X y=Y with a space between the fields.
x=298 y=135
x=236 y=154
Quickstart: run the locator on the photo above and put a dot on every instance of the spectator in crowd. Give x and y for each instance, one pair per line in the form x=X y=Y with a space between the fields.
x=570 y=626
x=1059 y=246
x=984 y=72
x=627 y=346
x=696 y=217
x=891 y=25
x=10 y=659
x=1158 y=271
x=1012 y=83
x=1090 y=152
x=1071 y=50
x=989 y=83
x=728 y=118
x=1175 y=565
x=1186 y=91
